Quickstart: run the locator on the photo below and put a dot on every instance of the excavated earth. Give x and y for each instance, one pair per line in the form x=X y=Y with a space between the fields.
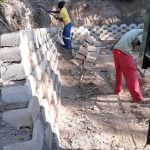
x=92 y=117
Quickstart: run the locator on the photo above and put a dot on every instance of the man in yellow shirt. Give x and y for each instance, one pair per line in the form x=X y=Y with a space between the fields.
x=64 y=17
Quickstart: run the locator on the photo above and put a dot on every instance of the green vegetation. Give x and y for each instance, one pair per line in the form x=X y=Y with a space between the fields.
x=2 y=2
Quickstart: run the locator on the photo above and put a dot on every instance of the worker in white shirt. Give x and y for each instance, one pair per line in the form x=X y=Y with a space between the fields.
x=125 y=64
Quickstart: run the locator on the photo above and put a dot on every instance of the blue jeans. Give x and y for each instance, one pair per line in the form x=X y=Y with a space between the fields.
x=67 y=35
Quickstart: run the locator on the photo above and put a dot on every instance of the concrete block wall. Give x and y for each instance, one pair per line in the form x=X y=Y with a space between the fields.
x=104 y=32
x=86 y=41
x=37 y=56
x=32 y=55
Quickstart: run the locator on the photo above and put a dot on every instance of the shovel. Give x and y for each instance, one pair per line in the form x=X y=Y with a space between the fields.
x=141 y=73
x=148 y=137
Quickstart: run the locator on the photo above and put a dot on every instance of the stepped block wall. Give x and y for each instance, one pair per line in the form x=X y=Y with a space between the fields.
x=33 y=57
x=104 y=32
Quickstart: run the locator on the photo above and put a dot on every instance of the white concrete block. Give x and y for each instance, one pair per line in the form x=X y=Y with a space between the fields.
x=48 y=136
x=35 y=37
x=35 y=144
x=39 y=55
x=90 y=58
x=80 y=56
x=89 y=40
x=39 y=91
x=32 y=83
x=23 y=36
x=16 y=94
x=24 y=50
x=37 y=73
x=77 y=61
x=34 y=58
x=48 y=55
x=49 y=72
x=31 y=46
x=10 y=39
x=18 y=118
x=12 y=72
x=83 y=51
x=26 y=66
x=34 y=108
x=45 y=84
x=84 y=44
x=39 y=36
x=50 y=112
x=10 y=54
x=88 y=64
x=91 y=48
x=75 y=46
x=29 y=32
x=43 y=48
x=97 y=43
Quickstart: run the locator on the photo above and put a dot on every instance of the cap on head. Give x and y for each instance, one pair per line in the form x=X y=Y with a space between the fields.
x=61 y=4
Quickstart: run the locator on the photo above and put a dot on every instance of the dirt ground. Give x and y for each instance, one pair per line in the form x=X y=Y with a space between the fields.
x=92 y=117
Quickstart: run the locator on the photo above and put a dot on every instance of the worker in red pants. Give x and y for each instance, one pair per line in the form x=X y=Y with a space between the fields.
x=125 y=64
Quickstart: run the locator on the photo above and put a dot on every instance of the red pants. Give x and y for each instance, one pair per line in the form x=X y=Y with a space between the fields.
x=125 y=64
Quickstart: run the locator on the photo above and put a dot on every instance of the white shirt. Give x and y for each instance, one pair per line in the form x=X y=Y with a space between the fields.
x=124 y=44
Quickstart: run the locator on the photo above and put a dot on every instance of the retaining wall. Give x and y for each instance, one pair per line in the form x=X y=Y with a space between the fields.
x=34 y=58
x=105 y=32
x=32 y=55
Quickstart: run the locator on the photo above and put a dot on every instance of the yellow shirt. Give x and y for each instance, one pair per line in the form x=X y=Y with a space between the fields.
x=64 y=14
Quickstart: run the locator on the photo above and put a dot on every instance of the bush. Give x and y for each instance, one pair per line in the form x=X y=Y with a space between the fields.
x=2 y=2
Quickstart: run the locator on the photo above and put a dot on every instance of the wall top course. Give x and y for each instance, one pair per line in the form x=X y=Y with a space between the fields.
x=105 y=32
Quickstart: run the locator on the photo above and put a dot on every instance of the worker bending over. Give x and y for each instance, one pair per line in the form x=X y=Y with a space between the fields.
x=125 y=64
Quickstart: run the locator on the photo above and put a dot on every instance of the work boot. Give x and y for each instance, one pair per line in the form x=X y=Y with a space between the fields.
x=66 y=50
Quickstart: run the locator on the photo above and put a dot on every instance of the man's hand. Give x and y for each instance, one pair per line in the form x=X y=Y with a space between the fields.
x=135 y=61
x=60 y=19
x=48 y=11
x=51 y=11
x=57 y=18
